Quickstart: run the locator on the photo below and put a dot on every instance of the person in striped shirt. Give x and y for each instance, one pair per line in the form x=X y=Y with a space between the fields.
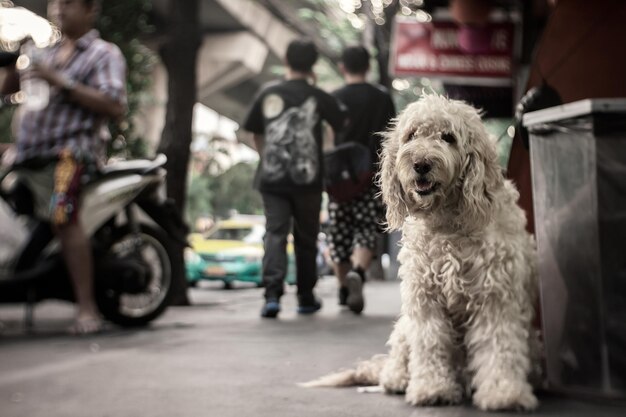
x=59 y=145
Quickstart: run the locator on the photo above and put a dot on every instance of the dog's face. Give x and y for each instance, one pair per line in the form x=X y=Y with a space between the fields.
x=438 y=157
x=428 y=160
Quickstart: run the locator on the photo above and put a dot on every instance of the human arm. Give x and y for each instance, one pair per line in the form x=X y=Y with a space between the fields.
x=258 y=142
x=99 y=86
x=85 y=95
x=390 y=107
x=333 y=111
x=328 y=135
x=102 y=90
x=254 y=123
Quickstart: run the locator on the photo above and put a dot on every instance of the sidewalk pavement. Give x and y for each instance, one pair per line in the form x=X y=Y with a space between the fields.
x=215 y=359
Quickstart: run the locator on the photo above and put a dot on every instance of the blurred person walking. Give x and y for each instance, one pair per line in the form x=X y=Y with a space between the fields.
x=286 y=121
x=354 y=224
x=60 y=145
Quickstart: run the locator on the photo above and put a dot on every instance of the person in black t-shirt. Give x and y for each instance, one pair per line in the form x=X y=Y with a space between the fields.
x=354 y=224
x=286 y=121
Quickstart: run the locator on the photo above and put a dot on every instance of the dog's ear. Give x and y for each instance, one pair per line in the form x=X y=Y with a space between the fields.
x=481 y=178
x=388 y=181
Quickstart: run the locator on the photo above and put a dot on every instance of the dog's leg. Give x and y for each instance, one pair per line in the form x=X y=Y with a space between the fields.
x=432 y=379
x=394 y=376
x=497 y=341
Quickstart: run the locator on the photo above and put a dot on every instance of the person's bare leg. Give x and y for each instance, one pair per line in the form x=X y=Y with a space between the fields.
x=76 y=250
x=341 y=269
x=362 y=257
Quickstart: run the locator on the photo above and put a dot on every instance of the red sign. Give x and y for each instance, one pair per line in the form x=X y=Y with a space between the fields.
x=443 y=49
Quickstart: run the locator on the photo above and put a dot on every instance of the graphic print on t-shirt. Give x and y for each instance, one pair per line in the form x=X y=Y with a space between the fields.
x=290 y=147
x=273 y=105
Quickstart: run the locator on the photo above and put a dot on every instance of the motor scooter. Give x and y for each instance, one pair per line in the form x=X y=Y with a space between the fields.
x=132 y=227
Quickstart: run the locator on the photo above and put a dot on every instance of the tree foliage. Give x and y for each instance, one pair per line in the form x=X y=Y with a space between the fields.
x=337 y=32
x=365 y=24
x=217 y=195
x=245 y=200
x=124 y=23
x=199 y=198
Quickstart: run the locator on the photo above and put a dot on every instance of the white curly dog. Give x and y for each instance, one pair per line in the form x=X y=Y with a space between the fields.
x=466 y=264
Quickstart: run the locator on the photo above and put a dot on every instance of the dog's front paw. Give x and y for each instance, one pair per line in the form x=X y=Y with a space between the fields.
x=394 y=377
x=505 y=395
x=433 y=392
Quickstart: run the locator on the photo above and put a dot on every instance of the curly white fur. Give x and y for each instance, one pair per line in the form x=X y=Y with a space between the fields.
x=466 y=264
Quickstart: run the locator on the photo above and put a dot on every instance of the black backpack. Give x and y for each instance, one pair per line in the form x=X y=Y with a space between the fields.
x=348 y=171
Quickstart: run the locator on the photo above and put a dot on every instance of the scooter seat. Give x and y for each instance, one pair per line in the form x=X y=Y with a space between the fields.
x=134 y=166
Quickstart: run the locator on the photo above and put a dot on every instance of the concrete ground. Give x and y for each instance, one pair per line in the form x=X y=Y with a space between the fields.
x=216 y=358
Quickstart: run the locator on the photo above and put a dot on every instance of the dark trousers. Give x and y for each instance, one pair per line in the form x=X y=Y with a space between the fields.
x=280 y=210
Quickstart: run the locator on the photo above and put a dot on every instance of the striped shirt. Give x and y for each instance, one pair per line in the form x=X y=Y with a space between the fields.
x=65 y=124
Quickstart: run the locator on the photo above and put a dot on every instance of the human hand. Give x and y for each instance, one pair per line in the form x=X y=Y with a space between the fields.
x=51 y=76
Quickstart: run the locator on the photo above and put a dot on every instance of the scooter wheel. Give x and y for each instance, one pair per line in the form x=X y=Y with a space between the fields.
x=150 y=248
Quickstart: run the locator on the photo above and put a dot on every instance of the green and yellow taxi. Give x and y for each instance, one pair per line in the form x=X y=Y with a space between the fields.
x=231 y=251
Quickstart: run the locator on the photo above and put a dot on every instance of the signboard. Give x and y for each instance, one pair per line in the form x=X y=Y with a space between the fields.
x=444 y=50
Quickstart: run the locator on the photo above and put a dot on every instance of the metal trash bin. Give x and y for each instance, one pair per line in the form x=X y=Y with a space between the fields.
x=578 y=165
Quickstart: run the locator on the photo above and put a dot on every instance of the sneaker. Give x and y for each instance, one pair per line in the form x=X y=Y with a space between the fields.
x=270 y=309
x=355 y=299
x=343 y=296
x=309 y=307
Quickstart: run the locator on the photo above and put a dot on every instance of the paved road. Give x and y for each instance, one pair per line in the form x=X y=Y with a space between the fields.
x=217 y=358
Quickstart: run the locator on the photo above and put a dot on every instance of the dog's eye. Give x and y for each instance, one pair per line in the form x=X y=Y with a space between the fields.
x=448 y=137
x=410 y=135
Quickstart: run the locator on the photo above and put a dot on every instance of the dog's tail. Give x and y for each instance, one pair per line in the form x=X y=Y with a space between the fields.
x=366 y=373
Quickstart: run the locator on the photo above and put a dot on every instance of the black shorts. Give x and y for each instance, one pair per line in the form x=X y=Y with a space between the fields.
x=354 y=223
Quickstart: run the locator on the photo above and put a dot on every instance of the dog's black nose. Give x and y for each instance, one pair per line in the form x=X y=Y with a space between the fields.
x=422 y=168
